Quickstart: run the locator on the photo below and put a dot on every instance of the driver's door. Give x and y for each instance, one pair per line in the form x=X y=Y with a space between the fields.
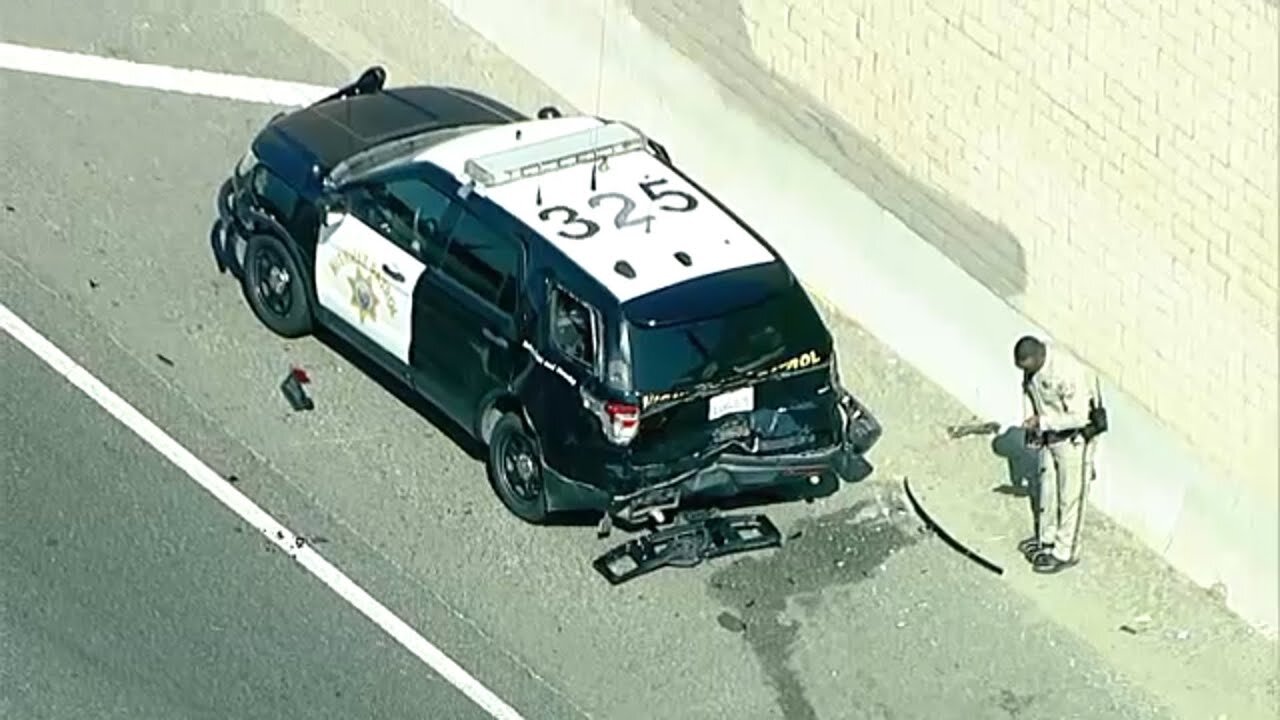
x=370 y=257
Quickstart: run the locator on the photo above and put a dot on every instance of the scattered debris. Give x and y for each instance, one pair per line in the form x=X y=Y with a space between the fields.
x=687 y=545
x=956 y=432
x=10 y=208
x=233 y=478
x=1128 y=629
x=164 y=359
x=93 y=284
x=731 y=622
x=1183 y=634
x=294 y=392
x=946 y=537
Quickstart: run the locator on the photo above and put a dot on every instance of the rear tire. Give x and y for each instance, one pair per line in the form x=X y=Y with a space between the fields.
x=515 y=469
x=275 y=287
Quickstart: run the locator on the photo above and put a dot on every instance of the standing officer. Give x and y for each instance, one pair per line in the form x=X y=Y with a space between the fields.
x=1064 y=423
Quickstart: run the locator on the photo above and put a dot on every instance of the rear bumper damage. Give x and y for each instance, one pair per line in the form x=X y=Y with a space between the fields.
x=730 y=475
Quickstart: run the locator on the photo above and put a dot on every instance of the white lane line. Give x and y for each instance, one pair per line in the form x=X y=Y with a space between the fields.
x=241 y=505
x=79 y=66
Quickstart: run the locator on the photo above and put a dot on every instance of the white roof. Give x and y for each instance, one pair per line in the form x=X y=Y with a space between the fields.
x=707 y=238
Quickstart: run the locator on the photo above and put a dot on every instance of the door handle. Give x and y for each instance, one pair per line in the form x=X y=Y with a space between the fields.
x=392 y=273
x=494 y=338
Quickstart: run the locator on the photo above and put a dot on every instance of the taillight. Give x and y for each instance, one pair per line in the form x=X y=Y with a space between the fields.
x=619 y=421
x=623 y=421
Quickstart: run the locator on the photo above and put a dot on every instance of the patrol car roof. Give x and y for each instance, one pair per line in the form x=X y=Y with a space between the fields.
x=640 y=229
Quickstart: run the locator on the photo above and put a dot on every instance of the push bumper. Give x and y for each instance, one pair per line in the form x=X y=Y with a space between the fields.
x=226 y=231
x=731 y=475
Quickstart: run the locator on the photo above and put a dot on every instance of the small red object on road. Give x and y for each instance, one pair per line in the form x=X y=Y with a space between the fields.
x=294 y=392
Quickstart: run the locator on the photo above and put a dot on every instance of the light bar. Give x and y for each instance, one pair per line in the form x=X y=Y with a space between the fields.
x=578 y=148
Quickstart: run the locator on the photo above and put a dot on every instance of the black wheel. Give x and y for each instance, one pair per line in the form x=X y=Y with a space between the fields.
x=276 y=288
x=515 y=469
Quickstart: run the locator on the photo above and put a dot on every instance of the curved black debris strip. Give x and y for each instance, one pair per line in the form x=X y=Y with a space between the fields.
x=946 y=537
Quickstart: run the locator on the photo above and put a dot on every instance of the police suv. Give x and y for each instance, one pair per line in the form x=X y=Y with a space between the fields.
x=617 y=338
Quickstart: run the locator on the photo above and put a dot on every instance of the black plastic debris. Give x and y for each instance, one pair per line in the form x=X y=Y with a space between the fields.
x=294 y=392
x=731 y=622
x=164 y=359
x=686 y=545
x=956 y=432
x=934 y=527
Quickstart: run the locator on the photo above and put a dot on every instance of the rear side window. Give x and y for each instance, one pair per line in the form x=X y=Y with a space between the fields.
x=575 y=329
x=483 y=261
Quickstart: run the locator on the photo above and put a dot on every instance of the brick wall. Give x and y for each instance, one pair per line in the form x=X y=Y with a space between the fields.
x=1129 y=149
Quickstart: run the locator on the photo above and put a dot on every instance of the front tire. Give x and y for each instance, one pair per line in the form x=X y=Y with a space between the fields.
x=276 y=287
x=515 y=470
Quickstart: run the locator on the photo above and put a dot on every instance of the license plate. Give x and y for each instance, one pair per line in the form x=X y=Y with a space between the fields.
x=734 y=401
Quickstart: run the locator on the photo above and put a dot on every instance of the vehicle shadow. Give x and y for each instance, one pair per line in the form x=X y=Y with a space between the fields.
x=397 y=389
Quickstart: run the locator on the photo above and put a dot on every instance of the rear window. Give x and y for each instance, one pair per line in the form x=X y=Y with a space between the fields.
x=750 y=338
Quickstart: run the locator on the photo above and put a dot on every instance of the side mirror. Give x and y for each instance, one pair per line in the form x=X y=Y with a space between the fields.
x=333 y=217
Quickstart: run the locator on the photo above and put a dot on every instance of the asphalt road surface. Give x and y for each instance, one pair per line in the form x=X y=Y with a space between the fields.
x=129 y=595
x=127 y=591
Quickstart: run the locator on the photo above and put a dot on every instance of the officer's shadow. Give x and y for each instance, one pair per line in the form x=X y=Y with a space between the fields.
x=1023 y=466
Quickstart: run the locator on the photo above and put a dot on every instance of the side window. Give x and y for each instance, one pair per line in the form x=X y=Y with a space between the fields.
x=484 y=261
x=575 y=328
x=409 y=212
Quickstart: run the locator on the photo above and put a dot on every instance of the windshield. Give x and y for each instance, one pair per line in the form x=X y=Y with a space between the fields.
x=742 y=341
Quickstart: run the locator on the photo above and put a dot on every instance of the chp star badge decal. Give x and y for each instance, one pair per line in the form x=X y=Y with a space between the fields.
x=362 y=297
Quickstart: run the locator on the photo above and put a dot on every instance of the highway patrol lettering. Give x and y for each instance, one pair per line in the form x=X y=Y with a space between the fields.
x=807 y=359
x=804 y=360
x=537 y=357
x=364 y=276
x=651 y=399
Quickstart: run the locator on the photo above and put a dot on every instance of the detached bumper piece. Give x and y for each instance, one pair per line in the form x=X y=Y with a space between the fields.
x=687 y=545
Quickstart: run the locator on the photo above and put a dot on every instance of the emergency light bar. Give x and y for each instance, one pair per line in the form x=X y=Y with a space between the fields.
x=577 y=148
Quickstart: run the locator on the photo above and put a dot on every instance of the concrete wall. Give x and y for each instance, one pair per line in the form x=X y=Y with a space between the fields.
x=1109 y=169
x=953 y=192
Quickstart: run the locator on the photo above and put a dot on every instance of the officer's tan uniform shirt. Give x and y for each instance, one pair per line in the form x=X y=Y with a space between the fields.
x=1060 y=392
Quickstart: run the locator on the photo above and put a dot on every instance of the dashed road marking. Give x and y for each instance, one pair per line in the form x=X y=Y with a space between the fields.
x=241 y=505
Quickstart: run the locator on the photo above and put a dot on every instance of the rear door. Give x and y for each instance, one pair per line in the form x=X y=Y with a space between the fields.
x=465 y=335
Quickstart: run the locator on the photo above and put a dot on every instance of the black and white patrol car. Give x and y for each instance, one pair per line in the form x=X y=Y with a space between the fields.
x=616 y=337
